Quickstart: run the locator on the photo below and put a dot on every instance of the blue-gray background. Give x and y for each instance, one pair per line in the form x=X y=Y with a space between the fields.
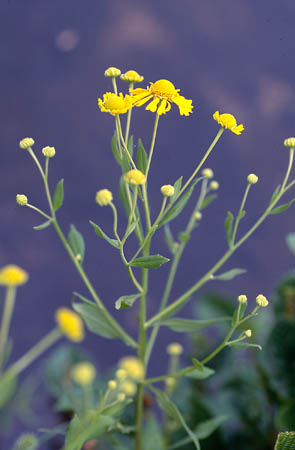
x=234 y=56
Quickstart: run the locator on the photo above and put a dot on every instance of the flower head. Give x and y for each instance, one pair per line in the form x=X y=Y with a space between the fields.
x=12 y=275
x=198 y=215
x=128 y=387
x=112 y=72
x=115 y=104
x=252 y=178
x=290 y=142
x=229 y=122
x=133 y=367
x=131 y=77
x=214 y=185
x=242 y=299
x=103 y=197
x=134 y=176
x=26 y=143
x=248 y=333
x=167 y=190
x=48 y=152
x=174 y=349
x=21 y=200
x=83 y=373
x=70 y=324
x=162 y=93
x=208 y=173
x=261 y=301
x=112 y=384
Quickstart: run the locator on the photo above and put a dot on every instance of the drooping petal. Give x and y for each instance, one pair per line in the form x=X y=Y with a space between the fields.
x=238 y=129
x=153 y=105
x=142 y=101
x=184 y=105
x=162 y=107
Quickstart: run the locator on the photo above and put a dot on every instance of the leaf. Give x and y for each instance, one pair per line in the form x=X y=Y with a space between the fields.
x=207 y=201
x=126 y=301
x=115 y=149
x=142 y=159
x=198 y=365
x=125 y=162
x=179 y=205
x=149 y=262
x=199 y=374
x=152 y=435
x=290 y=239
x=124 y=200
x=229 y=275
x=58 y=195
x=43 y=225
x=285 y=441
x=228 y=224
x=282 y=208
x=177 y=187
x=243 y=345
x=169 y=239
x=101 y=234
x=190 y=326
x=171 y=410
x=130 y=145
x=76 y=242
x=8 y=387
x=95 y=318
x=275 y=194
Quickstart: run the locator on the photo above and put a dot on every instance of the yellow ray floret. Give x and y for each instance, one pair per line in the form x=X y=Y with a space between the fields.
x=228 y=121
x=115 y=104
x=161 y=93
x=12 y=275
x=70 y=324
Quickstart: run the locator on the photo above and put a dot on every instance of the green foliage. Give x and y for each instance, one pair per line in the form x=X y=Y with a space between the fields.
x=142 y=159
x=282 y=208
x=290 y=239
x=209 y=199
x=228 y=224
x=58 y=195
x=101 y=234
x=285 y=441
x=76 y=242
x=230 y=274
x=126 y=301
x=43 y=225
x=191 y=326
x=149 y=262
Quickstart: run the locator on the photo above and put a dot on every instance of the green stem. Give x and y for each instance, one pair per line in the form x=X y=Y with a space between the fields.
x=6 y=320
x=152 y=144
x=239 y=213
x=146 y=208
x=128 y=119
x=291 y=157
x=39 y=211
x=114 y=85
x=123 y=143
x=115 y=225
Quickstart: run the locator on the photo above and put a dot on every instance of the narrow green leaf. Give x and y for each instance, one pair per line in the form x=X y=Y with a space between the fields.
x=172 y=245
x=191 y=326
x=199 y=374
x=177 y=186
x=8 y=387
x=243 y=345
x=207 y=201
x=101 y=234
x=130 y=145
x=125 y=162
x=58 y=197
x=171 y=410
x=290 y=239
x=142 y=159
x=126 y=301
x=228 y=224
x=285 y=441
x=282 y=208
x=43 y=225
x=115 y=149
x=132 y=227
x=125 y=201
x=179 y=205
x=229 y=275
x=149 y=262
x=198 y=365
x=152 y=435
x=275 y=194
x=76 y=242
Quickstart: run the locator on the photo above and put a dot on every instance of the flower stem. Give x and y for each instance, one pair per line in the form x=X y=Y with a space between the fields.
x=128 y=119
x=39 y=211
x=123 y=142
x=6 y=320
x=239 y=216
x=152 y=144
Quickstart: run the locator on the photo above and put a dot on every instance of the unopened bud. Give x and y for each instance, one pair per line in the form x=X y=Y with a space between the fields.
x=21 y=200
x=167 y=190
x=252 y=178
x=112 y=72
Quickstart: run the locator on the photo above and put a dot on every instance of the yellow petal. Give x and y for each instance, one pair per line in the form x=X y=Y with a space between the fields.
x=153 y=105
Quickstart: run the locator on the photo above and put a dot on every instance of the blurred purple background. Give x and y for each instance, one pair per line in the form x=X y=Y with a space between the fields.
x=233 y=56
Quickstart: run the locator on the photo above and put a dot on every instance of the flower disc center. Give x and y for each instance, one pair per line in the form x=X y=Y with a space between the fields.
x=163 y=88
x=114 y=102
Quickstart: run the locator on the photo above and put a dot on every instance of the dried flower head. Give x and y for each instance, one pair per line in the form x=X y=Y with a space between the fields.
x=48 y=152
x=261 y=301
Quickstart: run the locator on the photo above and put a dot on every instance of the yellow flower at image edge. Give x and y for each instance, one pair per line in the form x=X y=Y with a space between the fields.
x=162 y=93
x=115 y=104
x=12 y=275
x=70 y=324
x=229 y=122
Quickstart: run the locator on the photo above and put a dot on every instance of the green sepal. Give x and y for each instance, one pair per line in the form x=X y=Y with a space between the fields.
x=228 y=225
x=115 y=149
x=142 y=159
x=207 y=201
x=43 y=225
x=149 y=262
x=101 y=234
x=243 y=345
x=126 y=301
x=285 y=441
x=229 y=275
x=200 y=374
x=282 y=208
x=58 y=197
x=190 y=326
x=76 y=242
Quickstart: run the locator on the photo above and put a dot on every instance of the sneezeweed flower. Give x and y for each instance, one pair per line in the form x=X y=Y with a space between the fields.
x=83 y=373
x=229 y=122
x=112 y=72
x=208 y=173
x=70 y=324
x=261 y=301
x=252 y=178
x=133 y=367
x=198 y=215
x=131 y=76
x=289 y=142
x=161 y=93
x=103 y=197
x=115 y=104
x=174 y=349
x=12 y=275
x=214 y=185
x=248 y=333
x=26 y=143
x=21 y=199
x=242 y=299
x=167 y=190
x=134 y=176
x=128 y=387
x=48 y=152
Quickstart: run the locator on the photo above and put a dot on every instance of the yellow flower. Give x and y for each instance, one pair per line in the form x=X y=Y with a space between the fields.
x=261 y=301
x=162 y=92
x=112 y=72
x=26 y=143
x=103 y=197
x=228 y=121
x=131 y=77
x=289 y=142
x=70 y=324
x=83 y=373
x=48 y=152
x=198 y=215
x=128 y=387
x=112 y=384
x=167 y=190
x=12 y=275
x=248 y=333
x=208 y=173
x=174 y=349
x=242 y=299
x=115 y=104
x=121 y=374
x=252 y=178
x=21 y=200
x=214 y=185
x=133 y=367
x=134 y=176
